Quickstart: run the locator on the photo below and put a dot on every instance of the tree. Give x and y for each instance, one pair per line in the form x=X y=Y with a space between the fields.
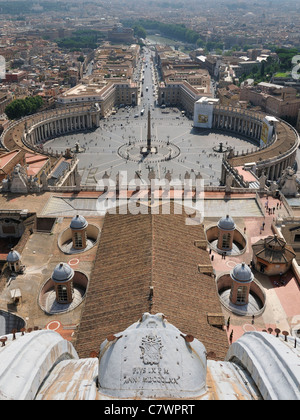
x=22 y=107
x=139 y=31
x=262 y=69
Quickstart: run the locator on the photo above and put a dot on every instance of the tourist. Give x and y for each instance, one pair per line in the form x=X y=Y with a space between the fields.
x=228 y=322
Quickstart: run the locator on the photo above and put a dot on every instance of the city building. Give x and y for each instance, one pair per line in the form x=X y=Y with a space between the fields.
x=274 y=99
x=120 y=34
x=5 y=99
x=183 y=80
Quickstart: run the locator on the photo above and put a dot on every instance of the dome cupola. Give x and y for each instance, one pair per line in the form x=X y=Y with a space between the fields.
x=242 y=273
x=62 y=273
x=226 y=223
x=242 y=278
x=79 y=227
x=62 y=277
x=78 y=223
x=13 y=256
x=13 y=260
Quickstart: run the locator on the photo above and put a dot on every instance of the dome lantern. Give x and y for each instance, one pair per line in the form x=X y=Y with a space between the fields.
x=226 y=223
x=14 y=261
x=241 y=273
x=242 y=278
x=78 y=223
x=226 y=228
x=78 y=227
x=62 y=277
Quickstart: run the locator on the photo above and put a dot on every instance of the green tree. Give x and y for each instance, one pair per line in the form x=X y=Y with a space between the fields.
x=139 y=31
x=22 y=107
x=262 y=69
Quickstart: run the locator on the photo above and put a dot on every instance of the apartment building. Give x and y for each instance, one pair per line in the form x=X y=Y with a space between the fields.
x=107 y=95
x=183 y=79
x=179 y=93
x=5 y=99
x=274 y=99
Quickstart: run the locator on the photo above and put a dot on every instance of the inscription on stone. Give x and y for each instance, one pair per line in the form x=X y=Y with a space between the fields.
x=154 y=370
x=150 y=375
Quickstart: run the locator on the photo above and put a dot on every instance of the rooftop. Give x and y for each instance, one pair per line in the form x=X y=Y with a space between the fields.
x=273 y=249
x=155 y=269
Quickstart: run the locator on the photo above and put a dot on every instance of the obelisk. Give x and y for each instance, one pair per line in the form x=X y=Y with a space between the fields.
x=149 y=134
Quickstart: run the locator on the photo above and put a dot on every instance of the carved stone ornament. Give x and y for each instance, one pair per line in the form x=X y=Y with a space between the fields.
x=151 y=349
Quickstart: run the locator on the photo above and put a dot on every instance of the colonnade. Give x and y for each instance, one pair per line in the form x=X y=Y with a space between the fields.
x=274 y=170
x=270 y=160
x=245 y=124
x=59 y=125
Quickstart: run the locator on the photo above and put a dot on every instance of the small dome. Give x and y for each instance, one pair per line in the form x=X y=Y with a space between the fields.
x=13 y=256
x=226 y=223
x=241 y=273
x=144 y=360
x=78 y=223
x=62 y=272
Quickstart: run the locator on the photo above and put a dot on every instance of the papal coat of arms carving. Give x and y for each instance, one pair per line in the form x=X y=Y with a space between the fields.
x=151 y=349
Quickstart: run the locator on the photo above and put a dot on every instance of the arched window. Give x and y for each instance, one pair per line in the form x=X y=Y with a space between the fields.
x=62 y=293
x=226 y=240
x=78 y=240
x=241 y=296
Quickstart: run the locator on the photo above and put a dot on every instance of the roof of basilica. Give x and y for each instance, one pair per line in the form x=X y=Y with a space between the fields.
x=155 y=269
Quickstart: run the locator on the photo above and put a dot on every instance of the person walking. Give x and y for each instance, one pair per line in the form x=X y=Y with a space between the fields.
x=228 y=322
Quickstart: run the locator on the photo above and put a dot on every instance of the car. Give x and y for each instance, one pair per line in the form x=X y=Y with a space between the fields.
x=136 y=115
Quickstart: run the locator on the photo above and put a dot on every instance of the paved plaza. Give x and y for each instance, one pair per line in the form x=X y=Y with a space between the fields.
x=115 y=146
x=179 y=149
